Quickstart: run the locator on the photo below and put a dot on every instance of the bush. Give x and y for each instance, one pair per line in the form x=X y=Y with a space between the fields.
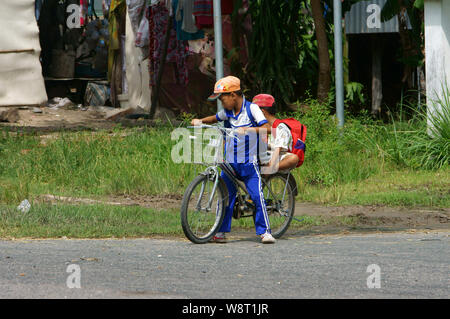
x=334 y=156
x=430 y=148
x=422 y=142
x=363 y=147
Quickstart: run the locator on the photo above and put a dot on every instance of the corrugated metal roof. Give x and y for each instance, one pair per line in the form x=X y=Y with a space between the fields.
x=364 y=17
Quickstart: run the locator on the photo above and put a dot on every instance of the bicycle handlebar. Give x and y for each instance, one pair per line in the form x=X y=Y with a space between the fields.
x=212 y=126
x=228 y=131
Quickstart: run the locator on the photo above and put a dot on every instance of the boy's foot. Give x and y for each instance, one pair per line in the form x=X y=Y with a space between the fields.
x=267 y=238
x=219 y=238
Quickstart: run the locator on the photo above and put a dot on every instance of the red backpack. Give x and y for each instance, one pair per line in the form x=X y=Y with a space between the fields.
x=298 y=131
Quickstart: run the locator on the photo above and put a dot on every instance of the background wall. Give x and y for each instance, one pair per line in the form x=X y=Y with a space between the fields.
x=21 y=81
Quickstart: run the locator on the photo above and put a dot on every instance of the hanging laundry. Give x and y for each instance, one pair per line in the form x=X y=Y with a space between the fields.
x=116 y=10
x=182 y=33
x=136 y=10
x=142 y=34
x=105 y=7
x=177 y=51
x=117 y=14
x=204 y=12
x=84 y=4
x=184 y=12
x=139 y=22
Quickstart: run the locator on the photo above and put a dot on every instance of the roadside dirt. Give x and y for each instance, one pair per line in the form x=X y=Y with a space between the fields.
x=92 y=118
x=361 y=219
x=330 y=219
x=60 y=119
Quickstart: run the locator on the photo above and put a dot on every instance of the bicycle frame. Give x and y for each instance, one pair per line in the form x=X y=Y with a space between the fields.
x=213 y=172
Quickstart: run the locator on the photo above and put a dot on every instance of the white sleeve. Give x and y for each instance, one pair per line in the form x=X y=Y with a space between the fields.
x=221 y=116
x=258 y=115
x=283 y=138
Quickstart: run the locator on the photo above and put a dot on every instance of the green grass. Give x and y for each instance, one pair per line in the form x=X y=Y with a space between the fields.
x=337 y=170
x=87 y=221
x=390 y=187
x=86 y=164
x=104 y=221
x=366 y=163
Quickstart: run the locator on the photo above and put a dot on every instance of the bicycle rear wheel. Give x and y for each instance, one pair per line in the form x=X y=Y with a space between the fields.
x=202 y=211
x=280 y=202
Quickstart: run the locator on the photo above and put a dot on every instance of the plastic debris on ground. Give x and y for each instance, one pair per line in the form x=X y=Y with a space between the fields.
x=24 y=206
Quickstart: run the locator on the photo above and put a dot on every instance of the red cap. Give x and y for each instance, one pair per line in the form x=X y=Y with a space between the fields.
x=264 y=100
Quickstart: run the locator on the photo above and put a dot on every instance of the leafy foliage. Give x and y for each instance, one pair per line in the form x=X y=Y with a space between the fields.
x=414 y=9
x=274 y=55
x=354 y=92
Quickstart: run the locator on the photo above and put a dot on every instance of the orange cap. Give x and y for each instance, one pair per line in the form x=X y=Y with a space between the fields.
x=225 y=85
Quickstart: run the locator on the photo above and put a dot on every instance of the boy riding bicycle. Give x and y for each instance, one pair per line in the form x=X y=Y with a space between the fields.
x=246 y=118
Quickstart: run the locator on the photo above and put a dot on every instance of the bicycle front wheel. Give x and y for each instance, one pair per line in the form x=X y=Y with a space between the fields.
x=202 y=209
x=280 y=202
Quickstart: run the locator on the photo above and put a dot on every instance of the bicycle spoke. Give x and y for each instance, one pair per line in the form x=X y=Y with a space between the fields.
x=271 y=193
x=279 y=195
x=201 y=220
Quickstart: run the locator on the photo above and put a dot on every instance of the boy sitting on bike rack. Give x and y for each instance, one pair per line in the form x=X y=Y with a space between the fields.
x=245 y=117
x=287 y=138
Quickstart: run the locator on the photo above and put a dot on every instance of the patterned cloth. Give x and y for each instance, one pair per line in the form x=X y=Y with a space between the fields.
x=177 y=51
x=203 y=12
x=117 y=13
x=116 y=10
x=84 y=4
x=139 y=22
x=105 y=7
x=96 y=94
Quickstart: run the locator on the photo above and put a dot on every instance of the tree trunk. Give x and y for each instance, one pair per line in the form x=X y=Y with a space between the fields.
x=377 y=86
x=324 y=81
x=409 y=48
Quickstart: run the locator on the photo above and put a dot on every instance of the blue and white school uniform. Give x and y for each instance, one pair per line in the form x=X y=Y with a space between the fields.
x=243 y=157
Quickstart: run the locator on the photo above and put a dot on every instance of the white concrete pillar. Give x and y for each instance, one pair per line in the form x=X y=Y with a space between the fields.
x=437 y=51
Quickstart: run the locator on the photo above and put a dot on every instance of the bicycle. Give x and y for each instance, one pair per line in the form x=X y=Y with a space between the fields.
x=206 y=198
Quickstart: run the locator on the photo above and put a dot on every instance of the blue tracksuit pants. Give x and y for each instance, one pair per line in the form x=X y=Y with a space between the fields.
x=249 y=173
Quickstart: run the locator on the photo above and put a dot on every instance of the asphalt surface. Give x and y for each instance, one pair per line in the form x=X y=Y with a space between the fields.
x=412 y=265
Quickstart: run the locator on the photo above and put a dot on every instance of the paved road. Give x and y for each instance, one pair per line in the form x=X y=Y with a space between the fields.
x=411 y=266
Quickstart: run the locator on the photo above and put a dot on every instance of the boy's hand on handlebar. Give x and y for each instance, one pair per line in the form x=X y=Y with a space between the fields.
x=196 y=122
